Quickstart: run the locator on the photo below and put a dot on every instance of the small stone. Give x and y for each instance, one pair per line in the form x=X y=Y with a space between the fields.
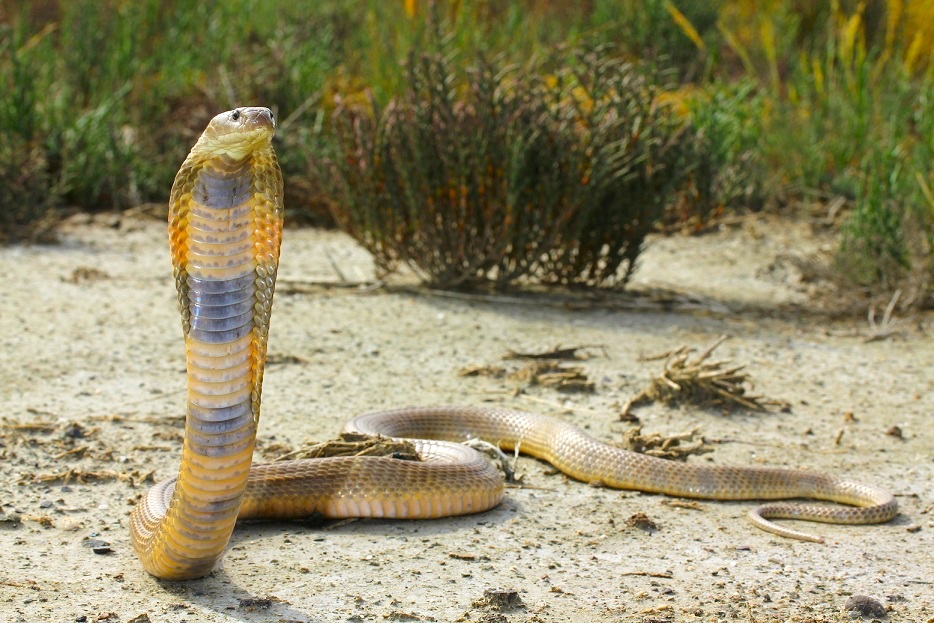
x=895 y=431
x=863 y=606
x=74 y=431
x=499 y=600
x=98 y=546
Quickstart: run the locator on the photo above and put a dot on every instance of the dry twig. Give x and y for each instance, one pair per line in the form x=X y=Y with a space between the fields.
x=555 y=375
x=886 y=327
x=576 y=353
x=355 y=444
x=665 y=447
x=544 y=369
x=700 y=381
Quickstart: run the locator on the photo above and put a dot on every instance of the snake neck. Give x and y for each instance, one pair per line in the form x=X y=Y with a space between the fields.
x=225 y=227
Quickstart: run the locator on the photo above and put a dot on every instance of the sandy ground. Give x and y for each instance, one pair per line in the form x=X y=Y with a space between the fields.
x=92 y=378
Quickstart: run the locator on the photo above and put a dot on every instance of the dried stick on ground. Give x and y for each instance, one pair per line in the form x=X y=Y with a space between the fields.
x=697 y=380
x=665 y=447
x=355 y=444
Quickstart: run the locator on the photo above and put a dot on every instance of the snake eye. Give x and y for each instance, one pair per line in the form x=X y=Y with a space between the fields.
x=235 y=115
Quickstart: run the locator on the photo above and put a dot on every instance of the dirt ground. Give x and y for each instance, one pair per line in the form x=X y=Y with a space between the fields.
x=92 y=382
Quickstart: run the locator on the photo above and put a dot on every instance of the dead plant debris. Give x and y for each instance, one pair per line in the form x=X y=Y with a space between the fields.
x=85 y=274
x=561 y=377
x=43 y=520
x=699 y=381
x=279 y=359
x=887 y=326
x=538 y=372
x=650 y=574
x=58 y=440
x=499 y=600
x=574 y=353
x=30 y=427
x=543 y=368
x=496 y=372
x=689 y=505
x=30 y=584
x=80 y=476
x=642 y=522
x=665 y=447
x=354 y=444
x=255 y=603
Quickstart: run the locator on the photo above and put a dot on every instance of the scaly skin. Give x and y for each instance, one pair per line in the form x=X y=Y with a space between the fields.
x=225 y=226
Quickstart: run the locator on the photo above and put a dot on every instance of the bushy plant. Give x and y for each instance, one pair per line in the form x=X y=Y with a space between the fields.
x=555 y=172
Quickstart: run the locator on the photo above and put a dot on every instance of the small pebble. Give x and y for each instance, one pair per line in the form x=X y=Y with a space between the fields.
x=864 y=606
x=98 y=546
x=74 y=431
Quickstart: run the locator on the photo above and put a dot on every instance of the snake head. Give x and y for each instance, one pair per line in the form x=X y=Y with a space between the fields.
x=237 y=132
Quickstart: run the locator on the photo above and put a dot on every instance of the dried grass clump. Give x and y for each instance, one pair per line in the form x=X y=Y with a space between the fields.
x=355 y=444
x=554 y=173
x=699 y=381
x=554 y=375
x=545 y=368
x=673 y=447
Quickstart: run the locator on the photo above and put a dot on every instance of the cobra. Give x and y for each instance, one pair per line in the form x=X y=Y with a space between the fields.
x=225 y=228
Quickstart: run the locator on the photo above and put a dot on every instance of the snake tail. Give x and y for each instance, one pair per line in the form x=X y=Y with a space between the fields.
x=581 y=456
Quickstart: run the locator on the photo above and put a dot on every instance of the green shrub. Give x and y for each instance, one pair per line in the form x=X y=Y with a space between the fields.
x=887 y=241
x=729 y=117
x=556 y=172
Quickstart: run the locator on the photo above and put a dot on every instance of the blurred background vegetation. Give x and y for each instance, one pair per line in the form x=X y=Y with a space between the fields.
x=782 y=104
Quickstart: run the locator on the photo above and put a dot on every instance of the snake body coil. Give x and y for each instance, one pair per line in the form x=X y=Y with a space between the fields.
x=225 y=227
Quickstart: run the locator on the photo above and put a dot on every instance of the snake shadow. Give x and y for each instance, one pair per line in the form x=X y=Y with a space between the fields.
x=228 y=595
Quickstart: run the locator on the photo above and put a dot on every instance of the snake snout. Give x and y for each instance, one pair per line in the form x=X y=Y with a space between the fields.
x=257 y=117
